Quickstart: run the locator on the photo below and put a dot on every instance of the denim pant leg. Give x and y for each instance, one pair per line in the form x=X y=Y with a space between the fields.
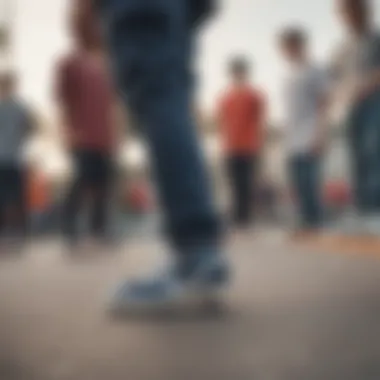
x=372 y=149
x=240 y=170
x=359 y=170
x=362 y=140
x=376 y=157
x=150 y=42
x=305 y=177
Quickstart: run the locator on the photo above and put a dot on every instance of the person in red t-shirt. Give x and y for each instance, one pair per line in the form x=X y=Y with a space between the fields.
x=86 y=102
x=241 y=118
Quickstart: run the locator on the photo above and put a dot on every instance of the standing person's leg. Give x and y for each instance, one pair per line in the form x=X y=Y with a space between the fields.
x=254 y=184
x=241 y=178
x=10 y=199
x=21 y=206
x=359 y=169
x=305 y=180
x=371 y=124
x=3 y=201
x=8 y=191
x=376 y=171
x=360 y=179
x=312 y=191
x=151 y=45
x=2 y=217
x=233 y=173
x=74 y=200
x=295 y=176
x=14 y=206
x=247 y=186
x=370 y=151
x=101 y=191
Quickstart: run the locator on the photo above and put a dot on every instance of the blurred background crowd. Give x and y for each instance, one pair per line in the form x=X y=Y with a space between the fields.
x=316 y=167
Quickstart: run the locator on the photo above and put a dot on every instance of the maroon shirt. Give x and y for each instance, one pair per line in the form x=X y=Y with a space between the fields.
x=85 y=93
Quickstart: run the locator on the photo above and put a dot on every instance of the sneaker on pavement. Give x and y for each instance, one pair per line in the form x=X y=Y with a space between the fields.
x=193 y=279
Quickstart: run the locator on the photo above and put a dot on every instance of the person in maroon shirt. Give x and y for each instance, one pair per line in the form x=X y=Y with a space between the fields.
x=85 y=98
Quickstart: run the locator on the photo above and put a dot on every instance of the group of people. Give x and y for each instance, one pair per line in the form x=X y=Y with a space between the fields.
x=150 y=53
x=310 y=93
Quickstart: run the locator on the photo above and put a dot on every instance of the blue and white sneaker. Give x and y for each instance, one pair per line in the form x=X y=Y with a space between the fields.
x=191 y=281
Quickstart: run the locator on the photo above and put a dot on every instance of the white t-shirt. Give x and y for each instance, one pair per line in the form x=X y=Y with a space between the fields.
x=303 y=91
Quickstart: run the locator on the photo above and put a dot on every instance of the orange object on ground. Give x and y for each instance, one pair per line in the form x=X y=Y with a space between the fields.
x=242 y=116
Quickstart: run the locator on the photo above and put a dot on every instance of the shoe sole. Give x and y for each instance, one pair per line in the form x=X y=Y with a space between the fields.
x=194 y=302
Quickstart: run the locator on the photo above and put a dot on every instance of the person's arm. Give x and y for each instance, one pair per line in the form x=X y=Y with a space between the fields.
x=262 y=120
x=324 y=101
x=339 y=91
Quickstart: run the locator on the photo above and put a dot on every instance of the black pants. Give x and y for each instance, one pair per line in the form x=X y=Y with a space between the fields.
x=241 y=170
x=13 y=210
x=92 y=182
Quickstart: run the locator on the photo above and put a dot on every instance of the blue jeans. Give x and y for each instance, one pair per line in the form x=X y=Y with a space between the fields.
x=305 y=178
x=151 y=45
x=364 y=142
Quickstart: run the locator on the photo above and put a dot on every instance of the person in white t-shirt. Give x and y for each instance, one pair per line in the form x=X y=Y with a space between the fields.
x=305 y=90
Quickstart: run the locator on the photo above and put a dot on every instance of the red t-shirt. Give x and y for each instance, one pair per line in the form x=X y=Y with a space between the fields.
x=242 y=117
x=85 y=94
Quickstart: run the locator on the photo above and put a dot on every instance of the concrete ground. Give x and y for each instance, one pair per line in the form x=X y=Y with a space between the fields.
x=290 y=314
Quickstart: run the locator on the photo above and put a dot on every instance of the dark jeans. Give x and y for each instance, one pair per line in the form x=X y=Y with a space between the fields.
x=92 y=182
x=305 y=178
x=241 y=170
x=13 y=209
x=364 y=143
x=151 y=45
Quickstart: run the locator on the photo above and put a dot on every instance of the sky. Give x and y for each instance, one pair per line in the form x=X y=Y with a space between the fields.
x=246 y=27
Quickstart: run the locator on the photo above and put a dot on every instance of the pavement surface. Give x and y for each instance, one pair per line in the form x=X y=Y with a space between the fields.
x=292 y=313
